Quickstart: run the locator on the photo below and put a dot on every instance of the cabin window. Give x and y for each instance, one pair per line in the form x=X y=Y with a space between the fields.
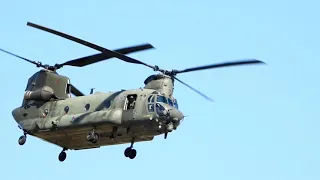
x=46 y=111
x=66 y=109
x=131 y=101
x=86 y=107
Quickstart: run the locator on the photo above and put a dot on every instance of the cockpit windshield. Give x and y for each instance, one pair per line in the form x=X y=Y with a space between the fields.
x=162 y=99
x=154 y=98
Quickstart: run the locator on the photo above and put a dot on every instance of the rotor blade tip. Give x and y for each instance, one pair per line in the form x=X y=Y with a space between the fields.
x=151 y=46
x=261 y=62
x=258 y=61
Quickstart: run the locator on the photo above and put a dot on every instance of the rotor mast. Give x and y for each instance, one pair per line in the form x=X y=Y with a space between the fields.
x=161 y=83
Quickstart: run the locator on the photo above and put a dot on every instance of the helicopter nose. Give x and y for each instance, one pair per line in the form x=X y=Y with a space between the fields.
x=168 y=111
x=175 y=114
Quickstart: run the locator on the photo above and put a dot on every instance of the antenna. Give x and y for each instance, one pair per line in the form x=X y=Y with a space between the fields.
x=91 y=90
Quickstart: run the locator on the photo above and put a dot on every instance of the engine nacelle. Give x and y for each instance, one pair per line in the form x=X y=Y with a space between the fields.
x=43 y=94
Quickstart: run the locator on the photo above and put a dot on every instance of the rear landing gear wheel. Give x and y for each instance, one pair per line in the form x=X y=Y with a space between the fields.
x=130 y=153
x=133 y=154
x=22 y=140
x=127 y=152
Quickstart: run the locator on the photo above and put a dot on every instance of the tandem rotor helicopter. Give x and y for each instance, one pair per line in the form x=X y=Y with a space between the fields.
x=49 y=112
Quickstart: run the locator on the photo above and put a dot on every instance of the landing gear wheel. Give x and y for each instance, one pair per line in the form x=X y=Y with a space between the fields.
x=22 y=140
x=127 y=152
x=130 y=153
x=62 y=156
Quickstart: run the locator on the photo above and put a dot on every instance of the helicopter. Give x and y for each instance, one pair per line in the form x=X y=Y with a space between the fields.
x=79 y=122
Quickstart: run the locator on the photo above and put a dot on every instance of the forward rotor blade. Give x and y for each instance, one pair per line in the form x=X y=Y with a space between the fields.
x=200 y=93
x=75 y=91
x=28 y=60
x=84 y=61
x=136 y=48
x=88 y=44
x=226 y=64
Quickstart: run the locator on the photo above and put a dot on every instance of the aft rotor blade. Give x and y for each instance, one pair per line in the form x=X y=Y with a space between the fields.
x=91 y=45
x=28 y=60
x=84 y=61
x=75 y=91
x=225 y=64
x=200 y=93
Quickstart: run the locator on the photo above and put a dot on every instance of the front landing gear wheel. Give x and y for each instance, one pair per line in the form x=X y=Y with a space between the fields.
x=130 y=153
x=22 y=140
x=62 y=156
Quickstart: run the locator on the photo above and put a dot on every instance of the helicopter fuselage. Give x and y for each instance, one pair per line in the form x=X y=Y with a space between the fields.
x=87 y=121
x=67 y=122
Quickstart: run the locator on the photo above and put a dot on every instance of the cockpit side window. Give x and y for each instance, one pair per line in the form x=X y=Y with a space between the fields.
x=151 y=107
x=175 y=104
x=151 y=99
x=151 y=103
x=170 y=102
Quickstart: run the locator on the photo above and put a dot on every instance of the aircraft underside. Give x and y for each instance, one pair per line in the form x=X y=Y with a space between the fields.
x=76 y=138
x=88 y=137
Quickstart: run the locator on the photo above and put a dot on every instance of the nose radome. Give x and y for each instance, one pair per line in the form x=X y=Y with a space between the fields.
x=176 y=115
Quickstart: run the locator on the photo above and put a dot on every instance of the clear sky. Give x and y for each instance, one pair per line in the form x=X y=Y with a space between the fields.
x=264 y=123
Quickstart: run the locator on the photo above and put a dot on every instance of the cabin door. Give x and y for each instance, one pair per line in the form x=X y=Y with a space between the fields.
x=128 y=114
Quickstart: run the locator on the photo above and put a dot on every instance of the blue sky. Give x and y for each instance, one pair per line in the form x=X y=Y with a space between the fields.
x=264 y=123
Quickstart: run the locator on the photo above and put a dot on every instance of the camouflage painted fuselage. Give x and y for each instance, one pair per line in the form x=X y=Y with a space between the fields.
x=66 y=122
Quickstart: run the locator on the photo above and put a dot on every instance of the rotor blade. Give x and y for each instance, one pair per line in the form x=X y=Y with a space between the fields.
x=226 y=64
x=136 y=48
x=75 y=91
x=203 y=95
x=28 y=60
x=102 y=56
x=88 y=44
